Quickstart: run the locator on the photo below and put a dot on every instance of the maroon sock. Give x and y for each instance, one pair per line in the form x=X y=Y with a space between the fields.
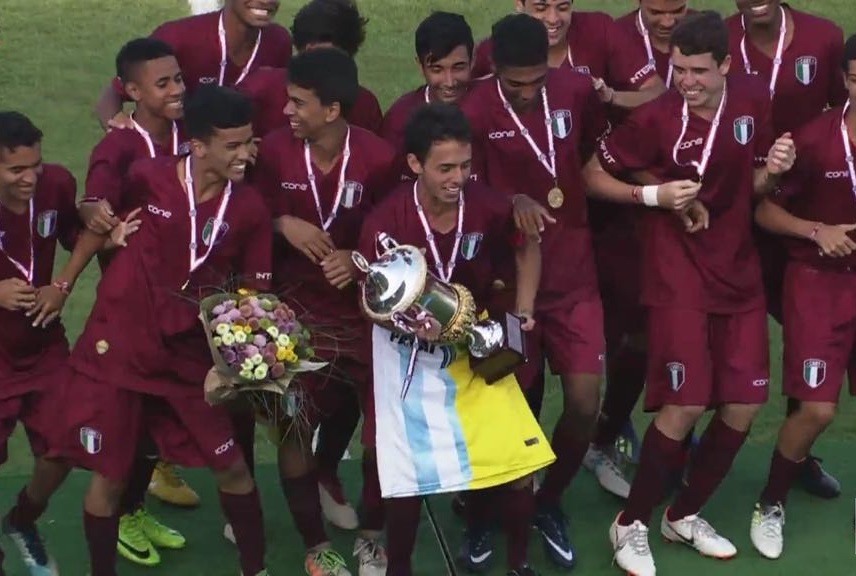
x=244 y=424
x=25 y=512
x=570 y=445
x=659 y=458
x=305 y=505
x=102 y=535
x=402 y=525
x=335 y=434
x=244 y=513
x=479 y=508
x=134 y=496
x=625 y=382
x=372 y=510
x=518 y=507
x=535 y=394
x=783 y=473
x=711 y=462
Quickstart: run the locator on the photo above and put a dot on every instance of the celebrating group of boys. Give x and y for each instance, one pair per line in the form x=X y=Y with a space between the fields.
x=640 y=192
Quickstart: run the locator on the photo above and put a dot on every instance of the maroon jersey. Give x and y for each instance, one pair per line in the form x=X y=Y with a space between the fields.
x=715 y=270
x=395 y=121
x=488 y=229
x=144 y=332
x=809 y=78
x=282 y=176
x=504 y=160
x=26 y=351
x=267 y=89
x=626 y=28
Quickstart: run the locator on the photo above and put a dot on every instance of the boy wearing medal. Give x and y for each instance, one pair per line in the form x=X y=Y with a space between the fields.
x=816 y=215
x=707 y=326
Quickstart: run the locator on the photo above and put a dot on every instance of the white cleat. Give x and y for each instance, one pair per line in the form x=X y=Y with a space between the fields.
x=606 y=467
x=766 y=532
x=338 y=511
x=632 y=552
x=229 y=534
x=696 y=532
x=371 y=556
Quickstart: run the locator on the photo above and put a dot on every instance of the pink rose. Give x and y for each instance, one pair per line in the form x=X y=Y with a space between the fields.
x=277 y=370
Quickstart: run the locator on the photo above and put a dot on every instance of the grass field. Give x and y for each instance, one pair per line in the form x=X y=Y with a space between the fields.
x=56 y=55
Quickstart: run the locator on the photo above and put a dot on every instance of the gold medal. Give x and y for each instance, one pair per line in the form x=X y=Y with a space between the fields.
x=102 y=346
x=555 y=198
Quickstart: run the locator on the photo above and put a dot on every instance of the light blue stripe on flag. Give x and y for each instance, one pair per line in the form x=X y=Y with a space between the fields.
x=455 y=423
x=416 y=426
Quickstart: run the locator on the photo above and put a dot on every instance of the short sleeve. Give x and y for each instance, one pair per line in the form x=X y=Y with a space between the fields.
x=105 y=177
x=766 y=134
x=632 y=146
x=627 y=66
x=68 y=224
x=594 y=125
x=798 y=179
x=266 y=176
x=482 y=60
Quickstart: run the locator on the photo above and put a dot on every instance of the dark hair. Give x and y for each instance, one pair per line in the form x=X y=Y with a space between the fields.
x=702 y=33
x=17 y=130
x=439 y=34
x=139 y=51
x=519 y=40
x=433 y=123
x=213 y=108
x=335 y=21
x=330 y=73
x=849 y=53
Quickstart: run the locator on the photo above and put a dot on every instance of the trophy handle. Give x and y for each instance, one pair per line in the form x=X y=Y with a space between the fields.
x=360 y=262
x=386 y=242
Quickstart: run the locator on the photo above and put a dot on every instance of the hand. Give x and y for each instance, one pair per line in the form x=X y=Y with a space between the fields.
x=677 y=195
x=312 y=241
x=605 y=93
x=126 y=228
x=530 y=216
x=98 y=216
x=339 y=269
x=120 y=121
x=782 y=155
x=528 y=320
x=695 y=217
x=16 y=294
x=834 y=241
x=429 y=329
x=49 y=303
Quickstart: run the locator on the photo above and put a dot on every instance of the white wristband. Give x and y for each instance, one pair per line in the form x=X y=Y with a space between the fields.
x=649 y=195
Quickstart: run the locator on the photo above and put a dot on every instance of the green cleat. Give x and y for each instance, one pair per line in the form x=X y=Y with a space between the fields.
x=133 y=543
x=159 y=535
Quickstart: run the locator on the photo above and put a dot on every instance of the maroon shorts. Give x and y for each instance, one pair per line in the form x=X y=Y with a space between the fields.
x=104 y=425
x=774 y=260
x=701 y=359
x=819 y=332
x=37 y=411
x=321 y=393
x=618 y=257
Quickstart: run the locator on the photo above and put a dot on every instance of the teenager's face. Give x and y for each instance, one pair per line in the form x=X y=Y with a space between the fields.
x=254 y=13
x=554 y=14
x=158 y=86
x=447 y=78
x=20 y=170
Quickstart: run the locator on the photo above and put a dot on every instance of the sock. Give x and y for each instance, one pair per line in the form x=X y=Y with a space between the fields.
x=717 y=449
x=659 y=457
x=372 y=515
x=25 y=512
x=402 y=524
x=244 y=513
x=134 y=496
x=305 y=505
x=336 y=432
x=518 y=507
x=783 y=473
x=535 y=394
x=479 y=508
x=570 y=445
x=102 y=535
x=625 y=382
x=244 y=423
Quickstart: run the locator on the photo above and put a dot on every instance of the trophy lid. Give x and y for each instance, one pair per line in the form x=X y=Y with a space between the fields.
x=394 y=282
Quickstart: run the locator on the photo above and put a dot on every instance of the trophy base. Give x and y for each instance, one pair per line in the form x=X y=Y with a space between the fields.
x=510 y=355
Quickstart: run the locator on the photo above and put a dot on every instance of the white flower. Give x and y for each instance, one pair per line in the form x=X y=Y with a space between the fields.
x=261 y=371
x=222 y=329
x=257 y=359
x=283 y=340
x=228 y=339
x=273 y=331
x=218 y=341
x=246 y=374
x=241 y=337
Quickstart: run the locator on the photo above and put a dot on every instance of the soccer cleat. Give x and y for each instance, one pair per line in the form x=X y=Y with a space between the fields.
x=817 y=481
x=607 y=467
x=371 y=556
x=694 y=531
x=337 y=510
x=476 y=550
x=767 y=530
x=525 y=570
x=133 y=543
x=630 y=545
x=552 y=524
x=159 y=535
x=32 y=550
x=168 y=486
x=229 y=534
x=325 y=562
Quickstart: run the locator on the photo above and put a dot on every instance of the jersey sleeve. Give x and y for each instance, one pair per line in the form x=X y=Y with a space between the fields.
x=68 y=221
x=837 y=91
x=765 y=135
x=105 y=177
x=627 y=66
x=595 y=125
x=798 y=179
x=632 y=146
x=266 y=177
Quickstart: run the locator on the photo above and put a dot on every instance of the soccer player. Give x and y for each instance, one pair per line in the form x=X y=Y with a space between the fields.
x=219 y=48
x=798 y=55
x=707 y=323
x=815 y=213
x=318 y=24
x=320 y=176
x=200 y=227
x=461 y=225
x=533 y=129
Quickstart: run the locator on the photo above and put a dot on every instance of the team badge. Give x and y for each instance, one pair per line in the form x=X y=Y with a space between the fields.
x=814 y=372
x=46 y=224
x=562 y=123
x=470 y=245
x=90 y=439
x=744 y=129
x=209 y=227
x=352 y=193
x=583 y=70
x=677 y=375
x=806 y=69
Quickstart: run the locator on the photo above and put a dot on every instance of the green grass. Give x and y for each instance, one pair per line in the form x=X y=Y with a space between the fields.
x=56 y=55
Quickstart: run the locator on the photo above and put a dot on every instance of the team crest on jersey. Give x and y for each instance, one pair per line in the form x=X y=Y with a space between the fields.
x=814 y=372
x=209 y=227
x=744 y=129
x=583 y=70
x=562 y=123
x=90 y=439
x=806 y=69
x=352 y=193
x=677 y=375
x=46 y=223
x=470 y=245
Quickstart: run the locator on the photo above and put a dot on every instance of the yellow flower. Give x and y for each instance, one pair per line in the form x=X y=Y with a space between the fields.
x=291 y=357
x=248 y=330
x=245 y=292
x=281 y=354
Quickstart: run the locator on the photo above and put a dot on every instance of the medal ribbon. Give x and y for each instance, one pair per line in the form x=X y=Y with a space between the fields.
x=649 y=48
x=147 y=138
x=548 y=161
x=444 y=270
x=224 y=54
x=195 y=262
x=848 y=152
x=701 y=167
x=777 y=61
x=310 y=173
x=28 y=273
